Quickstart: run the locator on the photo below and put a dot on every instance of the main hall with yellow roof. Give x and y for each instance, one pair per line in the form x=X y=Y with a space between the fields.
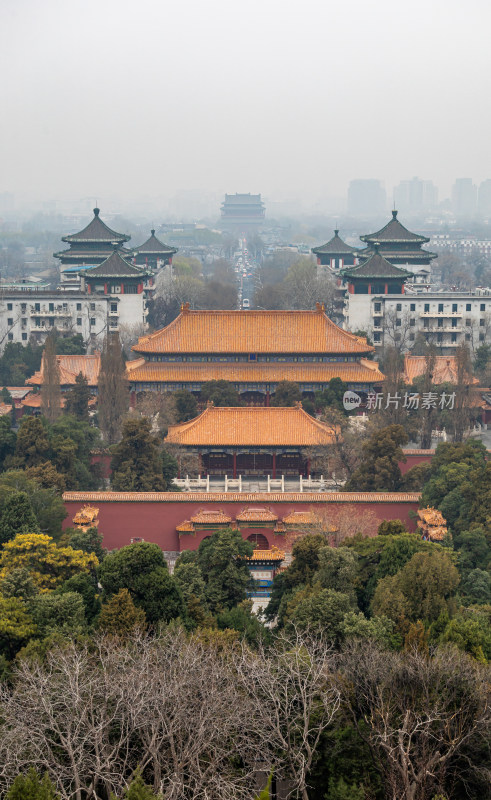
x=255 y=350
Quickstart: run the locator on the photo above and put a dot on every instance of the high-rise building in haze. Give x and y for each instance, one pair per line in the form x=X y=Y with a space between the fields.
x=464 y=197
x=366 y=197
x=413 y=196
x=484 y=199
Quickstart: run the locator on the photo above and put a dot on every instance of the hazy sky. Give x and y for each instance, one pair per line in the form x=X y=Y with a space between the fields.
x=114 y=98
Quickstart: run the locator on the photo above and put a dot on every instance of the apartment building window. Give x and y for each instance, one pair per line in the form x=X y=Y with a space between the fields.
x=439 y=337
x=376 y=337
x=468 y=307
x=482 y=322
x=483 y=306
x=113 y=323
x=454 y=308
x=398 y=323
x=399 y=307
x=412 y=322
x=10 y=321
x=79 y=321
x=468 y=323
x=23 y=307
x=92 y=321
x=427 y=308
x=9 y=306
x=426 y=323
x=51 y=307
x=454 y=338
x=37 y=322
x=24 y=337
x=440 y=308
x=79 y=306
x=412 y=307
x=114 y=308
x=377 y=307
x=37 y=307
x=454 y=323
x=92 y=306
x=377 y=321
x=51 y=322
x=440 y=323
x=481 y=337
x=411 y=337
x=24 y=322
x=467 y=337
x=10 y=337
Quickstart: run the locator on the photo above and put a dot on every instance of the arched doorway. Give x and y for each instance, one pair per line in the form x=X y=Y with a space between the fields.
x=259 y=541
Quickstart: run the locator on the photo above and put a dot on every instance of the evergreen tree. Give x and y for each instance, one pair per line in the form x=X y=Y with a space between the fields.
x=139 y=790
x=50 y=390
x=17 y=517
x=186 y=405
x=32 y=445
x=379 y=470
x=77 y=399
x=7 y=439
x=113 y=389
x=136 y=464
x=32 y=787
x=220 y=393
x=120 y=617
x=141 y=568
x=287 y=393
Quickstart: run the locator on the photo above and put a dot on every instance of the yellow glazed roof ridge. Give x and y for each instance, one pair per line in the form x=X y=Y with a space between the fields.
x=231 y=331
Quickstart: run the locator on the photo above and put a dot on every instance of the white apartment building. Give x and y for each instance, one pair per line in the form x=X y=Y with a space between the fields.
x=444 y=319
x=30 y=315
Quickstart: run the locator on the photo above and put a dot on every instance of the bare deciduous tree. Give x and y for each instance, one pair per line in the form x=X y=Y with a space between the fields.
x=416 y=712
x=294 y=699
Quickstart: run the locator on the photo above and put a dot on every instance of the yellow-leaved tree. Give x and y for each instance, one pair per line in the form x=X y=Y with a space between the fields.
x=48 y=564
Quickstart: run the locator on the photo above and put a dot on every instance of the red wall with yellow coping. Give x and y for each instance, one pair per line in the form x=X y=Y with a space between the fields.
x=153 y=516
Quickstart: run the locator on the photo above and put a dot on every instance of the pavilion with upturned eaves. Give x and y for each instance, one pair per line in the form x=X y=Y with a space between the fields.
x=336 y=254
x=400 y=246
x=254 y=350
x=153 y=253
x=89 y=247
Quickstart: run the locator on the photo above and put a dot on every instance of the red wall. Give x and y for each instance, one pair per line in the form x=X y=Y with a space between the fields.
x=414 y=457
x=154 y=516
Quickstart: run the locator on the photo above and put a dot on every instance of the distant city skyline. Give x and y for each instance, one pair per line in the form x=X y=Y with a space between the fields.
x=139 y=102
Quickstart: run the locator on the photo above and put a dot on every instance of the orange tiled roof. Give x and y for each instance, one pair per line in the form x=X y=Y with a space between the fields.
x=252 y=331
x=36 y=401
x=131 y=366
x=5 y=409
x=69 y=367
x=445 y=369
x=253 y=427
x=211 y=518
x=268 y=555
x=256 y=515
x=364 y=371
x=300 y=518
x=185 y=527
